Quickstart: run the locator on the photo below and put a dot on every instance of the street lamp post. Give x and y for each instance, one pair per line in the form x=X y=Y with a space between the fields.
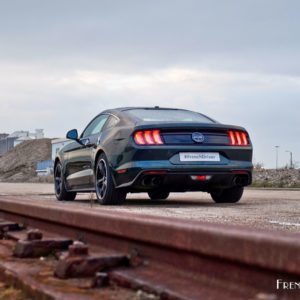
x=277 y=156
x=291 y=158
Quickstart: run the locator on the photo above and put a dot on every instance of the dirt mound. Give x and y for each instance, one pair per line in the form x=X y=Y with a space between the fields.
x=19 y=164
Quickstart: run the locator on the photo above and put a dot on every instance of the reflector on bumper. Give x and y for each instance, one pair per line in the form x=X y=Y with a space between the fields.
x=201 y=177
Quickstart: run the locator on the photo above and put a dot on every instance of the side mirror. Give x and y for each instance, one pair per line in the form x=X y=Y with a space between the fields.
x=72 y=134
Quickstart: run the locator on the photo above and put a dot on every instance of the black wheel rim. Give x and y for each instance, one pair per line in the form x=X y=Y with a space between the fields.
x=58 y=179
x=101 y=179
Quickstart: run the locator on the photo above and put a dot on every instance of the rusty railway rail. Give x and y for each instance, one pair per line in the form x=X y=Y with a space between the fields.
x=183 y=259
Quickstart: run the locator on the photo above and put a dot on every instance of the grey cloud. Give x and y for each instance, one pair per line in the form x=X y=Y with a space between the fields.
x=218 y=34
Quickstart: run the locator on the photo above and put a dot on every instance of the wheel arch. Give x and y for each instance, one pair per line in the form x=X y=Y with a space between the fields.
x=100 y=151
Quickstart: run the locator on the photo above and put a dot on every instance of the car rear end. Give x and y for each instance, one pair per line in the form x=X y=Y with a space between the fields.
x=186 y=156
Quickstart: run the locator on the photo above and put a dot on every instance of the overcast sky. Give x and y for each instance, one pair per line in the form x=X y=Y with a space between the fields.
x=62 y=62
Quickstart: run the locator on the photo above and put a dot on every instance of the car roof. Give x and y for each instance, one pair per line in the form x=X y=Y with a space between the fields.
x=120 y=109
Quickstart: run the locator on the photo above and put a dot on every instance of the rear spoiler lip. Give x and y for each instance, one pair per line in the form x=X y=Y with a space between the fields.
x=195 y=126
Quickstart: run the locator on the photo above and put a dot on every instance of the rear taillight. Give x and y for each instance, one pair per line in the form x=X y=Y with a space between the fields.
x=148 y=137
x=238 y=138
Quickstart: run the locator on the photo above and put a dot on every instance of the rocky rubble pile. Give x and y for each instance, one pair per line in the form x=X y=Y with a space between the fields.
x=276 y=178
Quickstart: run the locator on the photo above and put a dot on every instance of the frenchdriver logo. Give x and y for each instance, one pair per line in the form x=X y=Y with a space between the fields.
x=287 y=285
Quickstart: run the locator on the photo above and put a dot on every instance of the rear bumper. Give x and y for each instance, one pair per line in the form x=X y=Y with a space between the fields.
x=146 y=175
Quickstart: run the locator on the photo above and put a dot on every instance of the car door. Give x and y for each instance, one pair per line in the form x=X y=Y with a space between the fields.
x=80 y=160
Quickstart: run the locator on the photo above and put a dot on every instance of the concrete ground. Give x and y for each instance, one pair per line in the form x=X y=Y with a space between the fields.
x=261 y=208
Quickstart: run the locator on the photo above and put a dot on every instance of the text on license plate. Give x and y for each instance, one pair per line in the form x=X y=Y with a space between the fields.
x=199 y=156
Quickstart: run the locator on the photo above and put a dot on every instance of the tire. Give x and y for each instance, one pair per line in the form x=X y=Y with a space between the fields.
x=158 y=195
x=61 y=192
x=106 y=192
x=231 y=195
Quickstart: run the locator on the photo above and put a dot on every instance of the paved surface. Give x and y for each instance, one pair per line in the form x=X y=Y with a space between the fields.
x=268 y=209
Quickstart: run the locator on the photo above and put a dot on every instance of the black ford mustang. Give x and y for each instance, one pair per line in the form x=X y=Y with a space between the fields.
x=154 y=150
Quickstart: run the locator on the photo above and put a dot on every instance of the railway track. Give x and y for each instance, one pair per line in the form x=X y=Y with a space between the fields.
x=170 y=258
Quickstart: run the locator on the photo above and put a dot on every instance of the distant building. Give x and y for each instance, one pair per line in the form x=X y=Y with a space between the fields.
x=58 y=144
x=38 y=134
x=18 y=134
x=8 y=141
x=6 y=144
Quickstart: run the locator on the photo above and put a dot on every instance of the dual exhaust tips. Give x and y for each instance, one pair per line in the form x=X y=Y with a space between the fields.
x=151 y=181
x=241 y=180
x=156 y=180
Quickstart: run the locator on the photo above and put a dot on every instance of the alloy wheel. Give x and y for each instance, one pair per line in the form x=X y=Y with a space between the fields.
x=58 y=179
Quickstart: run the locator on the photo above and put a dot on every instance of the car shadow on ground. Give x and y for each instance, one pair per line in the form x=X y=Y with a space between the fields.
x=178 y=203
x=169 y=203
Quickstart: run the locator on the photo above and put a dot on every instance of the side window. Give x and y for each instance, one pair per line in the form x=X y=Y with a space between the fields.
x=95 y=126
x=111 y=122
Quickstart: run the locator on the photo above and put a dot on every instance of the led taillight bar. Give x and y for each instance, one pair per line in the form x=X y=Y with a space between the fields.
x=148 y=137
x=238 y=138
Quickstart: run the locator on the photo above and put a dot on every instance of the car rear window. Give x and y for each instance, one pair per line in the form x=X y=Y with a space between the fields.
x=169 y=115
